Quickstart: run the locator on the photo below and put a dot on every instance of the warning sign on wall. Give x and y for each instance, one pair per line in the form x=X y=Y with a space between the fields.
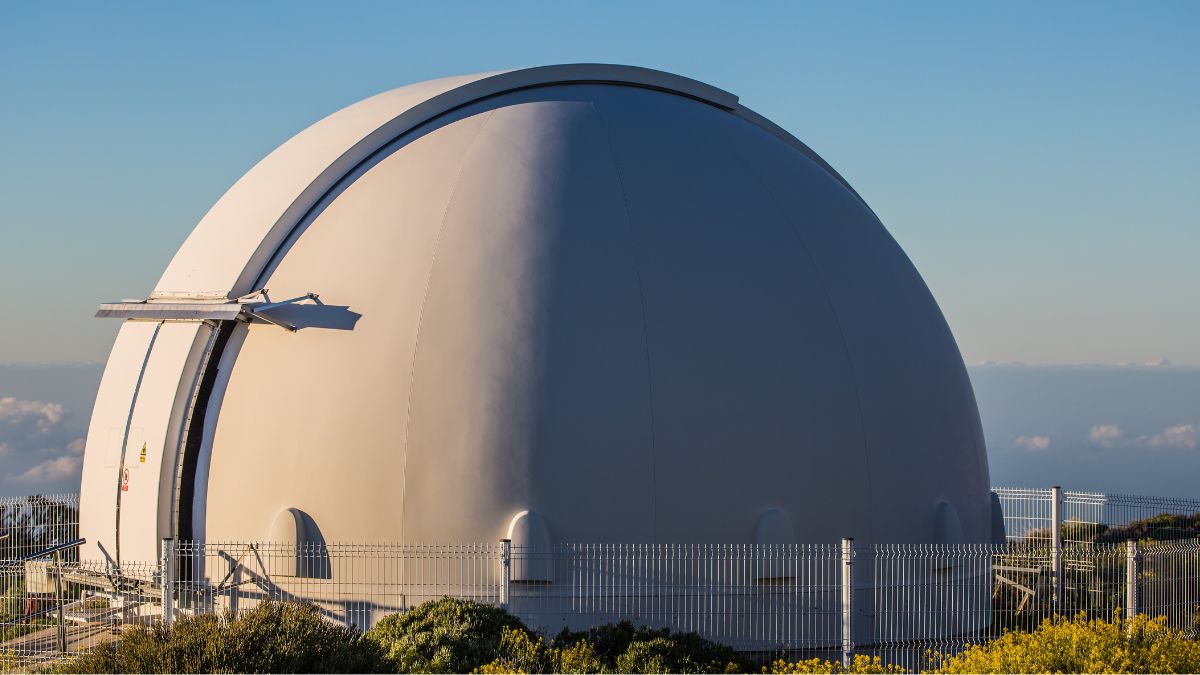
x=142 y=455
x=125 y=480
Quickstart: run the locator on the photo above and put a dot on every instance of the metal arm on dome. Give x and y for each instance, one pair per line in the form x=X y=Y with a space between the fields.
x=254 y=310
x=243 y=308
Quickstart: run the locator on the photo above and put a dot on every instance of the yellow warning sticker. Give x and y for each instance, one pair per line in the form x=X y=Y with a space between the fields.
x=142 y=454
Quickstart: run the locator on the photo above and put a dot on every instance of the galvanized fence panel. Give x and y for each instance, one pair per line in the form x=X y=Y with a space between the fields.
x=905 y=603
x=939 y=600
x=751 y=597
x=1158 y=518
x=1094 y=517
x=1168 y=583
x=1027 y=512
x=353 y=584
x=910 y=602
x=35 y=523
x=53 y=611
x=928 y=599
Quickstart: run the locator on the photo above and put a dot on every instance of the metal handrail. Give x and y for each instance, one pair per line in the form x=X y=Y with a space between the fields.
x=55 y=549
x=58 y=586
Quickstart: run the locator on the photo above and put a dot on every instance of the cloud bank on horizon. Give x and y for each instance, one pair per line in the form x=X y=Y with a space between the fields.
x=1114 y=429
x=41 y=446
x=1117 y=429
x=1176 y=437
x=44 y=413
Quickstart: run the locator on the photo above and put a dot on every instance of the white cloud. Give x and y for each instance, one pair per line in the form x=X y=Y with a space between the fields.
x=1178 y=436
x=1033 y=443
x=1105 y=434
x=43 y=416
x=52 y=470
x=39 y=443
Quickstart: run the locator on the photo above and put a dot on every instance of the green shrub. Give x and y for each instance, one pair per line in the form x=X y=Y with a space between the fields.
x=280 y=637
x=1082 y=645
x=524 y=652
x=614 y=648
x=1163 y=527
x=442 y=636
x=623 y=648
x=609 y=641
x=671 y=655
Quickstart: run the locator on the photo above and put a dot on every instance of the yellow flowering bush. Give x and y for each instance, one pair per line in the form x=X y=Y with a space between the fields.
x=861 y=664
x=1082 y=645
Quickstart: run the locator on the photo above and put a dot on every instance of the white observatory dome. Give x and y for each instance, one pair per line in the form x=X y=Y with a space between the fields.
x=585 y=303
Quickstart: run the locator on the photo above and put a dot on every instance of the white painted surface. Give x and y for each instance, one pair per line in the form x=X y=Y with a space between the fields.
x=222 y=256
x=154 y=416
x=590 y=301
x=106 y=433
x=645 y=316
x=532 y=548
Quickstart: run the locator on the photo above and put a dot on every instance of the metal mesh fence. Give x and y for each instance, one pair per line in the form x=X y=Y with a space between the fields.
x=30 y=527
x=754 y=598
x=931 y=601
x=1168 y=582
x=1027 y=512
x=353 y=584
x=904 y=603
x=1094 y=517
x=928 y=598
x=36 y=523
x=53 y=609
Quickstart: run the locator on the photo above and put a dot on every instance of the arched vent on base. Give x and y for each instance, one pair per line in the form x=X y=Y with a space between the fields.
x=532 y=553
x=297 y=547
x=948 y=529
x=776 y=536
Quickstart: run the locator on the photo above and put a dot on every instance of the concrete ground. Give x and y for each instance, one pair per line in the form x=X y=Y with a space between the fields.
x=41 y=647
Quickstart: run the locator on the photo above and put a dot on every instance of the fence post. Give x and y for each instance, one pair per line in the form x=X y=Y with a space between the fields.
x=1133 y=559
x=168 y=582
x=847 y=597
x=505 y=571
x=235 y=584
x=58 y=593
x=1056 y=544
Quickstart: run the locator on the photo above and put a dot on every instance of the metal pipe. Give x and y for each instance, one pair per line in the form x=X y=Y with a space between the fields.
x=847 y=596
x=1133 y=559
x=168 y=582
x=58 y=592
x=505 y=571
x=1056 y=546
x=55 y=549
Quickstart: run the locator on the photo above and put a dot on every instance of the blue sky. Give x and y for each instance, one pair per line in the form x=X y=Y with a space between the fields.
x=1038 y=161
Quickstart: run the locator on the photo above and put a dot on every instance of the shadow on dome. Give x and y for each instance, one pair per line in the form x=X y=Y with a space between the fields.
x=316 y=315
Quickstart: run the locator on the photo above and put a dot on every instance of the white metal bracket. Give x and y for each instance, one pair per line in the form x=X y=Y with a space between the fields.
x=245 y=308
